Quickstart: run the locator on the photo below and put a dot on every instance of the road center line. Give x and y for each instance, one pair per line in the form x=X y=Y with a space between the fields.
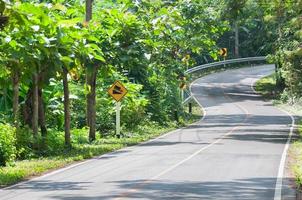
x=140 y=185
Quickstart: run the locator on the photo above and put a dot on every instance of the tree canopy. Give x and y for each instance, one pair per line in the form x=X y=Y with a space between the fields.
x=56 y=65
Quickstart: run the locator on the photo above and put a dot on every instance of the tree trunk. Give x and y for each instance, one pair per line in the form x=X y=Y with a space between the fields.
x=236 y=30
x=27 y=108
x=91 y=82
x=42 y=121
x=66 y=108
x=35 y=104
x=88 y=10
x=93 y=111
x=91 y=101
x=29 y=111
x=16 y=83
x=88 y=108
x=280 y=81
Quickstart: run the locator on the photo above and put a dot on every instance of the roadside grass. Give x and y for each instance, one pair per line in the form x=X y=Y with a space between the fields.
x=266 y=87
x=194 y=116
x=296 y=154
x=26 y=169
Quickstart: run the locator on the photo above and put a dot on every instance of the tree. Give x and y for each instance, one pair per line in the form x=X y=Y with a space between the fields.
x=232 y=12
x=88 y=10
x=91 y=83
x=3 y=19
x=91 y=75
x=33 y=45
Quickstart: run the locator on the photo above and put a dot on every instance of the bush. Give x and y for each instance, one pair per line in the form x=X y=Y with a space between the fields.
x=24 y=143
x=8 y=149
x=54 y=143
x=134 y=106
x=80 y=136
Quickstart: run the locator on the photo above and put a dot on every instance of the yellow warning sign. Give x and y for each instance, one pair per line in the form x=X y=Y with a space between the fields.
x=223 y=52
x=182 y=85
x=117 y=91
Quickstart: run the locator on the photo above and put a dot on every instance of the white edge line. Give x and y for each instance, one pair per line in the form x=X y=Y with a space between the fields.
x=203 y=110
x=203 y=148
x=87 y=161
x=278 y=187
x=195 y=153
x=110 y=153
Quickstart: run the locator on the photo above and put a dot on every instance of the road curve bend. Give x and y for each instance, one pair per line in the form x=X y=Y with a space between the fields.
x=233 y=153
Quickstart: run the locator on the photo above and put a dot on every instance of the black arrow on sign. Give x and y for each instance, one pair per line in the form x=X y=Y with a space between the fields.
x=223 y=52
x=117 y=90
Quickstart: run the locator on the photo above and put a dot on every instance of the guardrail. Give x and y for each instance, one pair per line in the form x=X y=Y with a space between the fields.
x=187 y=96
x=225 y=62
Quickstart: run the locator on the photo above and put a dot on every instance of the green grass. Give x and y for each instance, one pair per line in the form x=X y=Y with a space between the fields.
x=267 y=87
x=23 y=170
x=296 y=154
x=28 y=168
x=195 y=115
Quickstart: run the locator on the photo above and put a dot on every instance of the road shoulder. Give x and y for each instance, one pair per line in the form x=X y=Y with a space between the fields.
x=290 y=187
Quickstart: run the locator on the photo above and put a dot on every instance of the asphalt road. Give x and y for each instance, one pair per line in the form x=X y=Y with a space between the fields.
x=233 y=153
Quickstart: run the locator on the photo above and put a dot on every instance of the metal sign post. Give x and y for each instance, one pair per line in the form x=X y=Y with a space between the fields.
x=182 y=87
x=118 y=118
x=117 y=91
x=223 y=52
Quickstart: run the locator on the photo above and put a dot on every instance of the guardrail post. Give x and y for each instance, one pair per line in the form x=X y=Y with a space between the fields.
x=176 y=116
x=190 y=108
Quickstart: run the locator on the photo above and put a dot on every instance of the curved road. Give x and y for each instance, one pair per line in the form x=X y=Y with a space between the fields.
x=233 y=153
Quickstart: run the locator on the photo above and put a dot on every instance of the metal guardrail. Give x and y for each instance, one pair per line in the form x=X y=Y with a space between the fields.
x=187 y=93
x=225 y=62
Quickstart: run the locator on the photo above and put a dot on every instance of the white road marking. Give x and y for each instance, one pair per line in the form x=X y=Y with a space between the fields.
x=203 y=110
x=133 y=190
x=278 y=187
x=47 y=174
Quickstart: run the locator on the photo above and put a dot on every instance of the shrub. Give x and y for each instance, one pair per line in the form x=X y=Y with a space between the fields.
x=8 y=149
x=80 y=136
x=55 y=142
x=134 y=106
x=24 y=143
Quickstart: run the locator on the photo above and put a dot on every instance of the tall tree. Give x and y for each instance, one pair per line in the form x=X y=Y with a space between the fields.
x=88 y=10
x=35 y=103
x=66 y=108
x=16 y=84
x=91 y=74
x=15 y=71
x=232 y=12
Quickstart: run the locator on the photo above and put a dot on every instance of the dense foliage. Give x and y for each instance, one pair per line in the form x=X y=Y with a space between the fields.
x=271 y=28
x=52 y=59
x=8 y=150
x=56 y=67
